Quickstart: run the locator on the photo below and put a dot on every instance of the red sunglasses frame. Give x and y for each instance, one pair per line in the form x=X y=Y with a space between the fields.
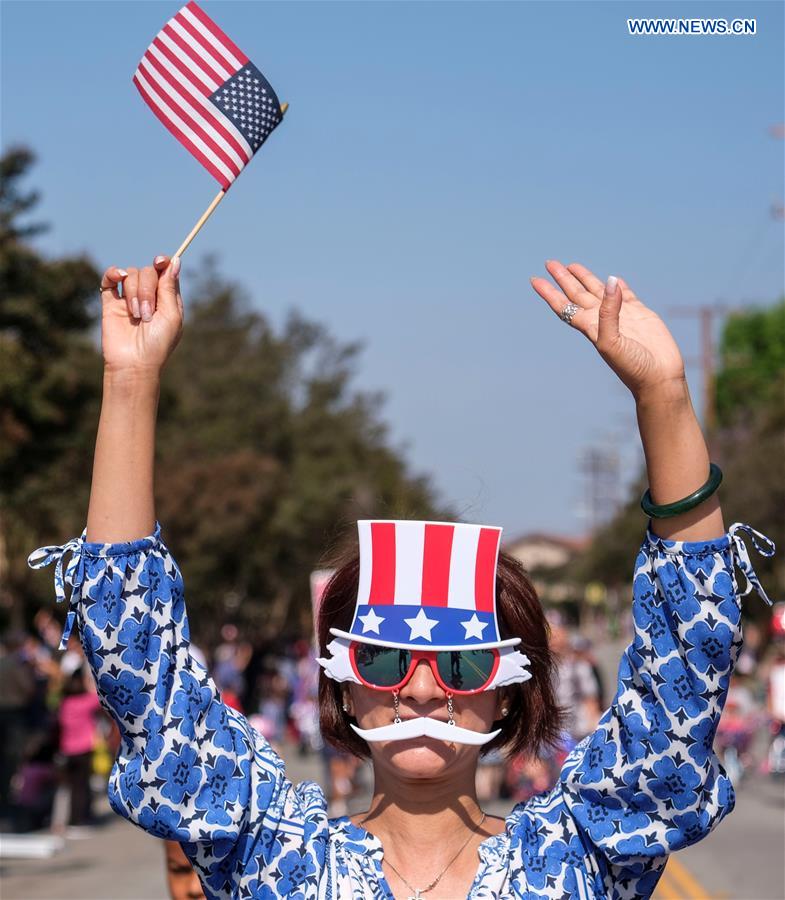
x=416 y=656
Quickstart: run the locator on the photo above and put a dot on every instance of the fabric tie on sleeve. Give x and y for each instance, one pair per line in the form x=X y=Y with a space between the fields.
x=764 y=546
x=74 y=575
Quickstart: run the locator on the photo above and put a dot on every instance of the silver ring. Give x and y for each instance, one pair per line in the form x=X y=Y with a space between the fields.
x=109 y=287
x=568 y=312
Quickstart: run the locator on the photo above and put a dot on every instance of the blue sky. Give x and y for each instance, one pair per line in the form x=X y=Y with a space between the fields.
x=433 y=156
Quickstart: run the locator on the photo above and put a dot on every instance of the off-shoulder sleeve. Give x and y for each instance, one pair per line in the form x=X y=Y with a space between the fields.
x=648 y=782
x=189 y=768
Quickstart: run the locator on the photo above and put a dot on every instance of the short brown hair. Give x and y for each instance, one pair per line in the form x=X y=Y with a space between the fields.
x=534 y=721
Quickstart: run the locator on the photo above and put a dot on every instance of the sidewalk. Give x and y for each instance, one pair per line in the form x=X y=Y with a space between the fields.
x=118 y=861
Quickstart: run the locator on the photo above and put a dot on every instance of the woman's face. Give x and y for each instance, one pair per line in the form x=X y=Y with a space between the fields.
x=422 y=758
x=182 y=881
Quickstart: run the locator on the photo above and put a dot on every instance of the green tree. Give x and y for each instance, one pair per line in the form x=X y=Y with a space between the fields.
x=49 y=383
x=750 y=441
x=266 y=455
x=749 y=445
x=752 y=360
x=266 y=451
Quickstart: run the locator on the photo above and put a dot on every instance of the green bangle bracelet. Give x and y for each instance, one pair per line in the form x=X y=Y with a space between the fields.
x=668 y=510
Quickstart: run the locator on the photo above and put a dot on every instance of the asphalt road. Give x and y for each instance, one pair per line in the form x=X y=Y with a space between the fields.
x=742 y=859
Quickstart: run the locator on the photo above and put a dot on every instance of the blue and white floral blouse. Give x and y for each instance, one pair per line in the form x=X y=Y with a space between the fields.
x=191 y=769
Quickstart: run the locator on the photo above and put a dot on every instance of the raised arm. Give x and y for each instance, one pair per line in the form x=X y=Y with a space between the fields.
x=638 y=347
x=138 y=333
x=189 y=768
x=647 y=781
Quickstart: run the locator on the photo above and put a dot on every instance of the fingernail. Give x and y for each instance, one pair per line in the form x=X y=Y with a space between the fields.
x=610 y=284
x=176 y=266
x=159 y=259
x=123 y=273
x=147 y=311
x=135 y=308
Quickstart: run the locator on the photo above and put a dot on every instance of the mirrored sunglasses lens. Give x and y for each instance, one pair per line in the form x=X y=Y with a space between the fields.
x=382 y=666
x=466 y=670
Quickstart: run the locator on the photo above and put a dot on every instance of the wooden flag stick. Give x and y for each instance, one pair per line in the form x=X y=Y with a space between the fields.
x=209 y=211
x=202 y=219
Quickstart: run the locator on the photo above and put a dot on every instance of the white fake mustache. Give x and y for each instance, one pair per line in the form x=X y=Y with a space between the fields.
x=424 y=726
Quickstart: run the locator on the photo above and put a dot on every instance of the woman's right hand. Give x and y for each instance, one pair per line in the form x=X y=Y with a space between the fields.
x=140 y=329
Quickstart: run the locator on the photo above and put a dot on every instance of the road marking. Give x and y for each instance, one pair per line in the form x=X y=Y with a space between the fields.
x=665 y=889
x=677 y=883
x=684 y=878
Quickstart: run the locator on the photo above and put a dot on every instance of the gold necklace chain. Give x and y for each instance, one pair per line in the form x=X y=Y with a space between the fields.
x=418 y=892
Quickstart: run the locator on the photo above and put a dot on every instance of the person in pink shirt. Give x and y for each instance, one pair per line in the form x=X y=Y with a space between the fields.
x=77 y=719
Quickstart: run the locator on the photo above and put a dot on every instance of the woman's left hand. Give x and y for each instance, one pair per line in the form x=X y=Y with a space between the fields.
x=632 y=339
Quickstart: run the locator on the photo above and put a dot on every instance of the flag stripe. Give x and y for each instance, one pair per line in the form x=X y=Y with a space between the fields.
x=197 y=77
x=161 y=56
x=197 y=135
x=485 y=572
x=171 y=29
x=198 y=51
x=219 y=50
x=217 y=33
x=192 y=118
x=436 y=564
x=197 y=66
x=182 y=132
x=464 y=554
x=366 y=559
x=383 y=572
x=209 y=125
x=161 y=45
x=180 y=136
x=409 y=541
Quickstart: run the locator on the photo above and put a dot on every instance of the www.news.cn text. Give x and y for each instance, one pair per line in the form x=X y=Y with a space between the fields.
x=692 y=27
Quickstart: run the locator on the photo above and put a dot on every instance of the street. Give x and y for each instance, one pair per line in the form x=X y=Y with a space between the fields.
x=741 y=860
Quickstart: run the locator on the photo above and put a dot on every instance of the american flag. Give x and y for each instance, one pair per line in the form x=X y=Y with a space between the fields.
x=207 y=92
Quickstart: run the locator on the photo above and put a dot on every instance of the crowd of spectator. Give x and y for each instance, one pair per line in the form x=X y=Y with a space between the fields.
x=58 y=744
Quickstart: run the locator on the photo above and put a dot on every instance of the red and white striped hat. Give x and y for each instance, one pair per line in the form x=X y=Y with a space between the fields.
x=428 y=585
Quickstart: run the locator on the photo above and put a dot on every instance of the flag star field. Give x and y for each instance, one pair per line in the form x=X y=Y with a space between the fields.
x=249 y=102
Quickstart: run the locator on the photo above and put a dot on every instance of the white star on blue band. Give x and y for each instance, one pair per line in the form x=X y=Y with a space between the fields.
x=421 y=626
x=371 y=622
x=474 y=627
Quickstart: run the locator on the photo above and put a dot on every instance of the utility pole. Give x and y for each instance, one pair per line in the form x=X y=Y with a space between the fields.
x=708 y=363
x=706 y=316
x=600 y=465
x=777 y=209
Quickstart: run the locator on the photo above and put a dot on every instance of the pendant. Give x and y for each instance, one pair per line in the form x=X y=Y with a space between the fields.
x=416 y=896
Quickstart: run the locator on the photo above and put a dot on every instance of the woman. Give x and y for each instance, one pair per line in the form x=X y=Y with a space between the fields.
x=77 y=717
x=190 y=769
